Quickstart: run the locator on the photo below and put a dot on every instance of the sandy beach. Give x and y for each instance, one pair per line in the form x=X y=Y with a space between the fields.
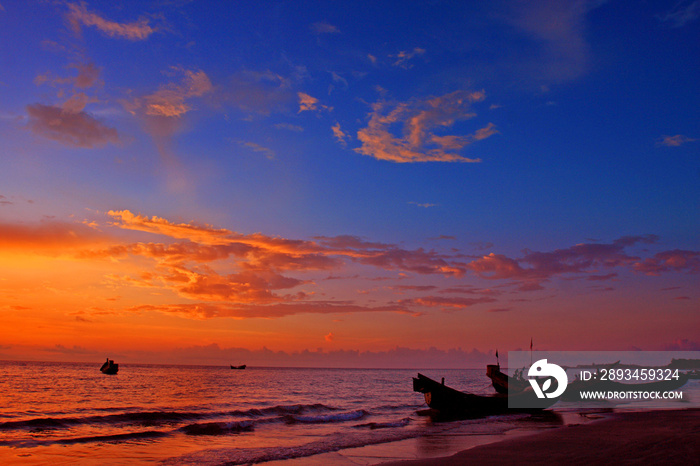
x=656 y=437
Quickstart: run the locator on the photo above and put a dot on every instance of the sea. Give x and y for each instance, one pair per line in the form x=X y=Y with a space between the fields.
x=70 y=413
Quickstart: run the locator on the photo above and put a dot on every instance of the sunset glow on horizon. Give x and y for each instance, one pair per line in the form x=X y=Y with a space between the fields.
x=190 y=182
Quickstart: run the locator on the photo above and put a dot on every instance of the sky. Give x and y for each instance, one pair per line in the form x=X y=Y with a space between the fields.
x=391 y=184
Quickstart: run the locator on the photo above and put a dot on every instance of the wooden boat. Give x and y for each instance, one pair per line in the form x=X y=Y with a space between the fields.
x=451 y=403
x=503 y=382
x=242 y=366
x=109 y=367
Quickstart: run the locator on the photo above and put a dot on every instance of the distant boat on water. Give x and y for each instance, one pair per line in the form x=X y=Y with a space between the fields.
x=242 y=366
x=109 y=367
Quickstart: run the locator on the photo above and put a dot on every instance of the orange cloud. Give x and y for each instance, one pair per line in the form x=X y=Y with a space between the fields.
x=269 y=153
x=403 y=57
x=674 y=141
x=209 y=310
x=419 y=119
x=309 y=103
x=202 y=234
x=170 y=99
x=339 y=135
x=675 y=260
x=199 y=271
x=70 y=125
x=438 y=301
x=79 y=15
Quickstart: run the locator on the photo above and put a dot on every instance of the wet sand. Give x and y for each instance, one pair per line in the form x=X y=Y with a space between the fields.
x=655 y=437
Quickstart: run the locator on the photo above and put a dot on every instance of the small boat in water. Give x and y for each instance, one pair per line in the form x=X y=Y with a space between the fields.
x=450 y=403
x=242 y=366
x=109 y=367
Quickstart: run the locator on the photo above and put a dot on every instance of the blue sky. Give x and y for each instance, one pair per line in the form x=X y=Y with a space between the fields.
x=475 y=134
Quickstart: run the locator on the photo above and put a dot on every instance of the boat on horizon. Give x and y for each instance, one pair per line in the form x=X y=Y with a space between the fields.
x=109 y=367
x=242 y=366
x=447 y=402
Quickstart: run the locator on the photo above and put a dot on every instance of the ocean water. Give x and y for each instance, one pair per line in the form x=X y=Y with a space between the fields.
x=68 y=413
x=63 y=413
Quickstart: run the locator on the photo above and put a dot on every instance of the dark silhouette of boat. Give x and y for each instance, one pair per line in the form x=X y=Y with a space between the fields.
x=447 y=402
x=109 y=367
x=242 y=366
x=503 y=382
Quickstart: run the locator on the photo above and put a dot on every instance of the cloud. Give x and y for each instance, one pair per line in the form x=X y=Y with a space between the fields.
x=202 y=311
x=205 y=272
x=339 y=135
x=205 y=234
x=675 y=260
x=74 y=350
x=260 y=93
x=674 y=141
x=419 y=119
x=425 y=205
x=329 y=338
x=323 y=27
x=497 y=266
x=289 y=127
x=559 y=51
x=583 y=259
x=170 y=99
x=88 y=76
x=403 y=57
x=681 y=14
x=269 y=153
x=79 y=15
x=161 y=114
x=447 y=302
x=69 y=125
x=309 y=103
x=266 y=252
x=683 y=345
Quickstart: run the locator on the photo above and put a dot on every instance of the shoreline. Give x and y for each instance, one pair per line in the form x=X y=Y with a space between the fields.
x=645 y=437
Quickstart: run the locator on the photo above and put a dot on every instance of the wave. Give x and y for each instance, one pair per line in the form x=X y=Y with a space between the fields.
x=339 y=417
x=144 y=435
x=217 y=428
x=385 y=425
x=142 y=418
x=154 y=418
x=282 y=410
x=335 y=442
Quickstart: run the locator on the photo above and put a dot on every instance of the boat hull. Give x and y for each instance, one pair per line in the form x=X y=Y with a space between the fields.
x=449 y=402
x=502 y=383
